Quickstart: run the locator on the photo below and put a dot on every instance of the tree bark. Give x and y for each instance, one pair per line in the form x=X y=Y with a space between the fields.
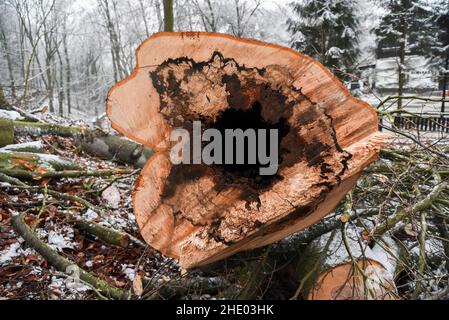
x=4 y=42
x=401 y=76
x=168 y=15
x=6 y=132
x=92 y=141
x=3 y=103
x=446 y=75
x=34 y=162
x=34 y=147
x=68 y=72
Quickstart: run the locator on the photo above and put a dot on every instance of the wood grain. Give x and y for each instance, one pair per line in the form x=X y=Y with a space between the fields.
x=199 y=214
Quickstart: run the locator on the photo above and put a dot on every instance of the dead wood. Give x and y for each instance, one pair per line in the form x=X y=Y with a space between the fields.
x=24 y=174
x=200 y=214
x=62 y=264
x=92 y=141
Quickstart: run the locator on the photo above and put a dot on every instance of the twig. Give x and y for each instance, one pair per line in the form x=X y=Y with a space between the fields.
x=25 y=174
x=401 y=213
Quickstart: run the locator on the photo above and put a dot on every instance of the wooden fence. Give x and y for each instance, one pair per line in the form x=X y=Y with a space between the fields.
x=438 y=122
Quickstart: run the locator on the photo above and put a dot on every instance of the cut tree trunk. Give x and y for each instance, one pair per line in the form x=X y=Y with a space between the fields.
x=201 y=213
x=327 y=269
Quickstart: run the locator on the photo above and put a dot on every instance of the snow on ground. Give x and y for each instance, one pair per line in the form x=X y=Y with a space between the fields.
x=9 y=253
x=25 y=274
x=11 y=115
x=21 y=146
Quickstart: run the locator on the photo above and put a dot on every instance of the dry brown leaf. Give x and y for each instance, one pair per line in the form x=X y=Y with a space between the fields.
x=165 y=278
x=119 y=283
x=365 y=235
x=410 y=230
x=137 y=285
x=344 y=218
x=31 y=257
x=381 y=177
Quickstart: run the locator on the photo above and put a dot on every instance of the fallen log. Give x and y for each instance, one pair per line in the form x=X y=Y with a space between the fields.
x=93 y=141
x=340 y=266
x=7 y=133
x=34 y=146
x=10 y=115
x=28 y=165
x=108 y=235
x=200 y=213
x=24 y=174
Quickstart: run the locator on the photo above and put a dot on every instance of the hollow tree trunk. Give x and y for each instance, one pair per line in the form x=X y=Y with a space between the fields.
x=201 y=213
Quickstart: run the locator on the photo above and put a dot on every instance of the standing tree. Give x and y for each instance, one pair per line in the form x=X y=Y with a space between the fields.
x=168 y=15
x=441 y=50
x=244 y=11
x=208 y=14
x=68 y=72
x=108 y=12
x=407 y=28
x=326 y=31
x=3 y=103
x=4 y=44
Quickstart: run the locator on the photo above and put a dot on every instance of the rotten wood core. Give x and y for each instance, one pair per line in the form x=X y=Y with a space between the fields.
x=201 y=213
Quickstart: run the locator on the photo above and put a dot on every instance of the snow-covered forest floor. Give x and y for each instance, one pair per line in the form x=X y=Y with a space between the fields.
x=25 y=274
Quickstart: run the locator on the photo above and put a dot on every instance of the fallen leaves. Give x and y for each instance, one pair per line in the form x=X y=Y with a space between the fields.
x=137 y=285
x=344 y=217
x=29 y=276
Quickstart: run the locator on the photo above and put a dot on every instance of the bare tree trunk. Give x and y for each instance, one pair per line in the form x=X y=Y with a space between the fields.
x=243 y=14
x=157 y=5
x=113 y=38
x=68 y=74
x=49 y=80
x=208 y=18
x=61 y=85
x=168 y=15
x=4 y=42
x=3 y=103
x=144 y=18
x=22 y=51
x=401 y=78
x=446 y=66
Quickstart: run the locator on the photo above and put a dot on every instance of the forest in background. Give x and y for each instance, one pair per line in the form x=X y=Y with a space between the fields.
x=65 y=55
